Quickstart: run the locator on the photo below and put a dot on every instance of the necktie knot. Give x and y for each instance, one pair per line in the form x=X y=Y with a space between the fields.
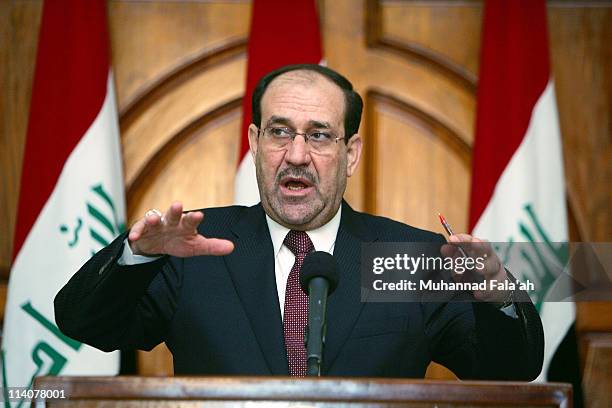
x=298 y=242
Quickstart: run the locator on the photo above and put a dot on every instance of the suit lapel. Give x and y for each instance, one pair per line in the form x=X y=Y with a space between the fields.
x=344 y=305
x=251 y=267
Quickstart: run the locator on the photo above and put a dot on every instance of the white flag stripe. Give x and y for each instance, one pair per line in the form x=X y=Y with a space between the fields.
x=51 y=254
x=537 y=158
x=245 y=186
x=534 y=175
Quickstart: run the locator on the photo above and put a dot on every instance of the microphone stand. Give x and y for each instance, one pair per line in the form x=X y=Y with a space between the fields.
x=314 y=335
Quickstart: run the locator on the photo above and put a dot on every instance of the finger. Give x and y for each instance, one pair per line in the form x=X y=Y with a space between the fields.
x=137 y=230
x=470 y=245
x=191 y=220
x=463 y=248
x=174 y=213
x=449 y=251
x=494 y=268
x=480 y=248
x=213 y=246
x=152 y=220
x=461 y=241
x=461 y=238
x=487 y=248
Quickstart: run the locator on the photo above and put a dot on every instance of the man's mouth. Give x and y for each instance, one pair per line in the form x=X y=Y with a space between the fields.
x=296 y=184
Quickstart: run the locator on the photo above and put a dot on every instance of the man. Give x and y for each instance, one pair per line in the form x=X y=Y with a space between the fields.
x=222 y=292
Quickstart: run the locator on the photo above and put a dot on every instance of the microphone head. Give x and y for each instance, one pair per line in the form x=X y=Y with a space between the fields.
x=319 y=264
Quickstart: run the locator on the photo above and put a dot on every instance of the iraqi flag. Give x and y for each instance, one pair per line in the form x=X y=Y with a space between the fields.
x=518 y=188
x=271 y=46
x=71 y=202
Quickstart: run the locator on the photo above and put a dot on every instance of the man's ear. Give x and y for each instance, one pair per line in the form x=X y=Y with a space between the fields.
x=353 y=154
x=253 y=140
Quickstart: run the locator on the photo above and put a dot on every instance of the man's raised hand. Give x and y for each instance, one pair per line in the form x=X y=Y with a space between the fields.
x=493 y=268
x=174 y=233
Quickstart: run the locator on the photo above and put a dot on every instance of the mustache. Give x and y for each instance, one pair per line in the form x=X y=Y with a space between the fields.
x=297 y=172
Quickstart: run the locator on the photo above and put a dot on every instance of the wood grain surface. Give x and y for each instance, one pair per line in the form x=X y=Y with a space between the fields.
x=306 y=392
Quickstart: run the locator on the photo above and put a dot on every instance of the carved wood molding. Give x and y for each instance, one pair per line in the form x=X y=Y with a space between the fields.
x=412 y=51
x=231 y=49
x=449 y=137
x=174 y=144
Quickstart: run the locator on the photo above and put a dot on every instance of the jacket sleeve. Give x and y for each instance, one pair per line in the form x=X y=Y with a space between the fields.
x=110 y=306
x=478 y=341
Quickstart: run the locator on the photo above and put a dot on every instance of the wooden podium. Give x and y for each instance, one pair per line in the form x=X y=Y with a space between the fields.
x=277 y=392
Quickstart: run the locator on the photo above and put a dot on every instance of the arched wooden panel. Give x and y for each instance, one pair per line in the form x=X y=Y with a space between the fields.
x=168 y=83
x=421 y=32
x=179 y=70
x=196 y=165
x=416 y=166
x=176 y=108
x=359 y=48
x=151 y=39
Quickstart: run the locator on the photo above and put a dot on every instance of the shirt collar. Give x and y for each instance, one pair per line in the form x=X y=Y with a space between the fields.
x=323 y=238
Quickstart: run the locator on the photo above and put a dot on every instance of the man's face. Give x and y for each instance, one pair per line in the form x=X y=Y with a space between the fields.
x=300 y=188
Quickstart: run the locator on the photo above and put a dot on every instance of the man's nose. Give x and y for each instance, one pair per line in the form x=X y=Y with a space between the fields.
x=298 y=152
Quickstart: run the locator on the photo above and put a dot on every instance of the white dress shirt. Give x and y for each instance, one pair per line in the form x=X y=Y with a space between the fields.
x=323 y=239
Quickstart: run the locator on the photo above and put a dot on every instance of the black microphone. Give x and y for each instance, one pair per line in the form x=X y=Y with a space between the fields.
x=318 y=278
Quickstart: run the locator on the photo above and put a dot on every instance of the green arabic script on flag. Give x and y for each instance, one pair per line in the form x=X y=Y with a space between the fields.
x=99 y=219
x=104 y=223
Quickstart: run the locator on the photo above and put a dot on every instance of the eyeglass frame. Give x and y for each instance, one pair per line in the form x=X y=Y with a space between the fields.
x=295 y=134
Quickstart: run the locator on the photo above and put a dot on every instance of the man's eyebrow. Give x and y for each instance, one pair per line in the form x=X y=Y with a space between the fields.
x=312 y=124
x=318 y=124
x=280 y=120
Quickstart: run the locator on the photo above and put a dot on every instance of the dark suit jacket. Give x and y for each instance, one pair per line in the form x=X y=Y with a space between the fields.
x=220 y=315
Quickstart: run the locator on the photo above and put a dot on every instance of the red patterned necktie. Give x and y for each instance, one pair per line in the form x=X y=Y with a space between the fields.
x=296 y=304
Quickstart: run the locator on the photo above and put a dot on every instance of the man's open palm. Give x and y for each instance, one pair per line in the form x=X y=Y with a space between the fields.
x=174 y=233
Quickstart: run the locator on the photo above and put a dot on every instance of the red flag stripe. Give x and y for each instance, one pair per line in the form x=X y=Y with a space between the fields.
x=272 y=45
x=72 y=68
x=514 y=71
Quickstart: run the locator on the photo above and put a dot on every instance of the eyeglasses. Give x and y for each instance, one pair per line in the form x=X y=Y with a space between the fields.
x=318 y=140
